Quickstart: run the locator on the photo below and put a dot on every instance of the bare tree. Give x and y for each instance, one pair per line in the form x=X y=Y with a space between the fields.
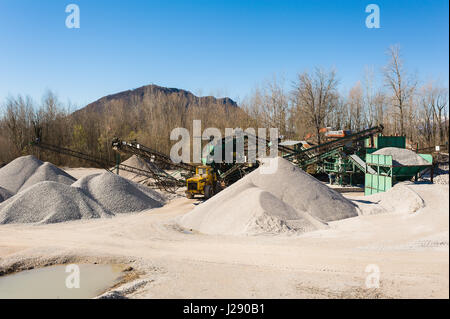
x=18 y=119
x=369 y=97
x=315 y=95
x=427 y=126
x=434 y=100
x=275 y=105
x=401 y=85
x=356 y=107
x=379 y=102
x=440 y=110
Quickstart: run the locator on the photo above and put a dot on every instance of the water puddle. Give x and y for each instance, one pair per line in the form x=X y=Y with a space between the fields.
x=55 y=283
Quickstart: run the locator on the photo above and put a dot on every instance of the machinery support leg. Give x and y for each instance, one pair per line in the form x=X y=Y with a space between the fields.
x=117 y=162
x=432 y=173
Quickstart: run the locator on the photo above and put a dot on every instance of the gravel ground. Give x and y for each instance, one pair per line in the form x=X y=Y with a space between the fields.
x=410 y=251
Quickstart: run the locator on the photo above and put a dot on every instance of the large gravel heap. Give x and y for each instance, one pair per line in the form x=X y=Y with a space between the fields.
x=50 y=202
x=137 y=162
x=400 y=199
x=27 y=171
x=4 y=194
x=288 y=200
x=117 y=194
x=402 y=156
x=94 y=196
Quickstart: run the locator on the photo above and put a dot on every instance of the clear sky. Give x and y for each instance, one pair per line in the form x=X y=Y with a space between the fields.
x=224 y=48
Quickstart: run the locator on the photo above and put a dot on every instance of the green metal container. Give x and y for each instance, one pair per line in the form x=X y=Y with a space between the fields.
x=381 y=141
x=375 y=183
x=403 y=173
x=391 y=141
x=389 y=174
x=379 y=160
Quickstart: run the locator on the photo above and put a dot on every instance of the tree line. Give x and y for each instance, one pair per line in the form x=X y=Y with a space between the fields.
x=312 y=101
x=299 y=108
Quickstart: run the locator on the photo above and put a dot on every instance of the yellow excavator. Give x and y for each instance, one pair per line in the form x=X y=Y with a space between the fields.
x=204 y=182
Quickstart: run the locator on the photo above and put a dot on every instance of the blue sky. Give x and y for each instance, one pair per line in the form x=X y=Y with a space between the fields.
x=223 y=48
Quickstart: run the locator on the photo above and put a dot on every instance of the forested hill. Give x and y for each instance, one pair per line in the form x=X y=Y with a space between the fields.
x=147 y=114
x=140 y=96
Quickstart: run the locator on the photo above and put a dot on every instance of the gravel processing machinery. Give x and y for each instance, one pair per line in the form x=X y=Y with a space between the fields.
x=155 y=177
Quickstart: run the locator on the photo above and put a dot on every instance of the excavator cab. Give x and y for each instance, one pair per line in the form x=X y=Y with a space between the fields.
x=204 y=182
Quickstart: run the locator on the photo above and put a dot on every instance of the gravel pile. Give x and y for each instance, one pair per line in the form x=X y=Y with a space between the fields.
x=400 y=199
x=288 y=200
x=402 y=156
x=144 y=164
x=441 y=179
x=50 y=202
x=27 y=171
x=137 y=162
x=4 y=194
x=95 y=196
x=140 y=163
x=440 y=175
x=117 y=194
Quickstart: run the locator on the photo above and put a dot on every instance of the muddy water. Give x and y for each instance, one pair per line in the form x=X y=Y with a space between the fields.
x=55 y=282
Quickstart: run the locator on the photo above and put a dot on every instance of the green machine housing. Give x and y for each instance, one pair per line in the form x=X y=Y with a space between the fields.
x=354 y=164
x=384 y=173
x=379 y=141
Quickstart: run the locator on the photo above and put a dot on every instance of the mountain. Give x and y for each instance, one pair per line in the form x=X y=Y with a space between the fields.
x=151 y=92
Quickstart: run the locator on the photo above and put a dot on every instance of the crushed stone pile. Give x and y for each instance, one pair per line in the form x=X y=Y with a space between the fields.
x=288 y=200
x=50 y=202
x=144 y=164
x=440 y=175
x=140 y=163
x=137 y=162
x=4 y=194
x=402 y=156
x=27 y=171
x=94 y=196
x=400 y=199
x=441 y=179
x=117 y=194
